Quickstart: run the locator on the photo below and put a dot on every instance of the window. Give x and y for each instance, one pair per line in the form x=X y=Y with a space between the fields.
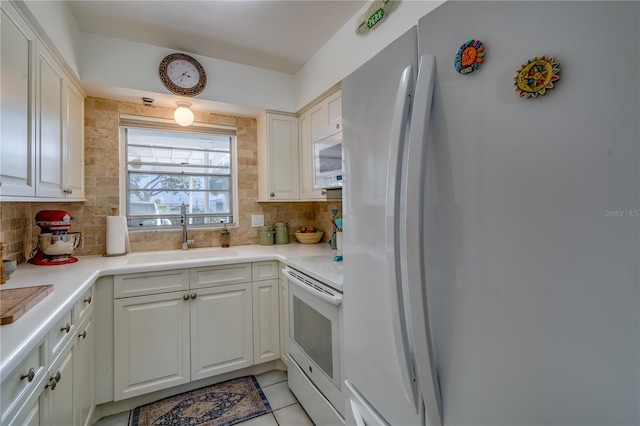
x=168 y=166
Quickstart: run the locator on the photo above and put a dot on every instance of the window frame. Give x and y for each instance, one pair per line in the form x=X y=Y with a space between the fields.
x=142 y=122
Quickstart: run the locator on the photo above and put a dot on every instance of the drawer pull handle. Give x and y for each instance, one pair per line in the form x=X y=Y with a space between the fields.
x=66 y=328
x=193 y=295
x=29 y=376
x=53 y=381
x=185 y=297
x=87 y=300
x=83 y=335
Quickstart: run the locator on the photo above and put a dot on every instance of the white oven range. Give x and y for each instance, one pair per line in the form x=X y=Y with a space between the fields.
x=315 y=337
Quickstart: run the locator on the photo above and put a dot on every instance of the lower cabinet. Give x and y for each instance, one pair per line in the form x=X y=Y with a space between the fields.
x=167 y=339
x=151 y=338
x=83 y=373
x=284 y=317
x=221 y=334
x=59 y=391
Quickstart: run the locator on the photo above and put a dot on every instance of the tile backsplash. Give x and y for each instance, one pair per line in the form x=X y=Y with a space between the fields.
x=19 y=231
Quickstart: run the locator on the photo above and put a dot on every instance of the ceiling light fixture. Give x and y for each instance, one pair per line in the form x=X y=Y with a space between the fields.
x=183 y=114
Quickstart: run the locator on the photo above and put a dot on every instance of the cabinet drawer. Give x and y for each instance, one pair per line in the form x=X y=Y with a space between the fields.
x=19 y=385
x=267 y=270
x=84 y=306
x=150 y=283
x=210 y=276
x=61 y=333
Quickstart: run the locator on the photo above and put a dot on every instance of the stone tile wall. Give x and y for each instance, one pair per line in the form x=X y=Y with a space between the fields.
x=17 y=224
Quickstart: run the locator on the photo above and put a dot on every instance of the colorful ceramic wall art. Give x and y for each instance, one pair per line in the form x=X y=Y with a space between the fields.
x=536 y=76
x=469 y=57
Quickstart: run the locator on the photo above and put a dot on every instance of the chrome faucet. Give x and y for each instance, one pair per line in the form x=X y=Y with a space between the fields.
x=183 y=223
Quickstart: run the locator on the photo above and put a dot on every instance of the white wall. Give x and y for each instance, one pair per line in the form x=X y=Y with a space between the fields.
x=118 y=65
x=115 y=62
x=346 y=50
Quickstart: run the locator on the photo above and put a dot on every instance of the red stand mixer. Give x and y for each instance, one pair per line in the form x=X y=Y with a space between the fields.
x=55 y=244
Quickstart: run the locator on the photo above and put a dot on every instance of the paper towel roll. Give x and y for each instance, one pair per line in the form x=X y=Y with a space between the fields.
x=117 y=234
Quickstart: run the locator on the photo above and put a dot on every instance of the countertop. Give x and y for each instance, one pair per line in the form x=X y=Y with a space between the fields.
x=72 y=280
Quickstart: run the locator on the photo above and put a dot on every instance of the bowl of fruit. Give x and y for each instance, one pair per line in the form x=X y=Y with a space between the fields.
x=308 y=235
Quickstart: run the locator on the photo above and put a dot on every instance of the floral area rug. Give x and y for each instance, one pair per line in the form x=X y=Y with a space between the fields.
x=222 y=404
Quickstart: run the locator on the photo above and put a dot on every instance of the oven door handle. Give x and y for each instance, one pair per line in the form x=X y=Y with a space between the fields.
x=335 y=299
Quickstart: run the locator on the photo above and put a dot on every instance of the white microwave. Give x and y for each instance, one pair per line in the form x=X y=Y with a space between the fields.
x=327 y=162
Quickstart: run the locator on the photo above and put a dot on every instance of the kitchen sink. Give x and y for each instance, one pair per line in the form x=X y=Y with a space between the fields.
x=179 y=255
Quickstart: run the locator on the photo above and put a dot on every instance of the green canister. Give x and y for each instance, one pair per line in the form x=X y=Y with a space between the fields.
x=282 y=233
x=266 y=236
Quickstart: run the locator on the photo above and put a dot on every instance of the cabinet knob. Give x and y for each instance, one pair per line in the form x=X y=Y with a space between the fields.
x=29 y=376
x=193 y=295
x=66 y=328
x=53 y=381
x=83 y=335
x=273 y=194
x=68 y=191
x=87 y=300
x=324 y=192
x=185 y=297
x=338 y=126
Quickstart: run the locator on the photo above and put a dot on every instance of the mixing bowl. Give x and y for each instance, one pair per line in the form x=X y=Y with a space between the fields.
x=59 y=244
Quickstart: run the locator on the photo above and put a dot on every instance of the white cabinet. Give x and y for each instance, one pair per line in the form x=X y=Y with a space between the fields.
x=151 y=340
x=49 y=122
x=83 y=373
x=278 y=171
x=54 y=384
x=266 y=321
x=172 y=327
x=73 y=149
x=318 y=122
x=326 y=117
x=17 y=103
x=42 y=150
x=59 y=391
x=221 y=334
x=284 y=316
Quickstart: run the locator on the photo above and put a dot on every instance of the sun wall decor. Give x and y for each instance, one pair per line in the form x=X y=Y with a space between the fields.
x=469 y=57
x=536 y=76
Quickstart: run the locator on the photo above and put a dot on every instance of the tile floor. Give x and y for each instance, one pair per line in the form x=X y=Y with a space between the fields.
x=286 y=411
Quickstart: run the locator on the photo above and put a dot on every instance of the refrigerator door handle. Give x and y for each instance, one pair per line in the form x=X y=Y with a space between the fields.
x=414 y=221
x=392 y=243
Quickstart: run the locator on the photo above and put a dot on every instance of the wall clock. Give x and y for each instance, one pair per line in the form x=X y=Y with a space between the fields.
x=182 y=74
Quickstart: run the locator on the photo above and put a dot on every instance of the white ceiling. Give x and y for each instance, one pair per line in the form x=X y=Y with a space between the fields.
x=273 y=34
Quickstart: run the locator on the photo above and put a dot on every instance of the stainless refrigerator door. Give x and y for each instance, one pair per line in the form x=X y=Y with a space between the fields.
x=378 y=354
x=531 y=219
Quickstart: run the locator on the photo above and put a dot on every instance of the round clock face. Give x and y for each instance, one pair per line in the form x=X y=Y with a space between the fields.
x=182 y=74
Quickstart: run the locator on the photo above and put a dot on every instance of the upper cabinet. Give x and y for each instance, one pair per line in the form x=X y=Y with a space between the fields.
x=326 y=117
x=279 y=178
x=318 y=122
x=286 y=155
x=17 y=104
x=43 y=119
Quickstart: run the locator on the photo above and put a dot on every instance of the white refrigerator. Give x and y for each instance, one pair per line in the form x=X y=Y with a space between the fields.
x=492 y=240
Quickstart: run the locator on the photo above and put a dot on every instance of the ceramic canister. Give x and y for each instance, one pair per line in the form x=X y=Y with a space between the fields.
x=266 y=236
x=282 y=233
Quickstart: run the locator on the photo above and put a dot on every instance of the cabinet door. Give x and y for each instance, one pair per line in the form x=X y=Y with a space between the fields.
x=284 y=321
x=83 y=374
x=278 y=158
x=17 y=85
x=221 y=334
x=73 y=156
x=151 y=343
x=60 y=396
x=49 y=124
x=326 y=117
x=307 y=190
x=266 y=321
